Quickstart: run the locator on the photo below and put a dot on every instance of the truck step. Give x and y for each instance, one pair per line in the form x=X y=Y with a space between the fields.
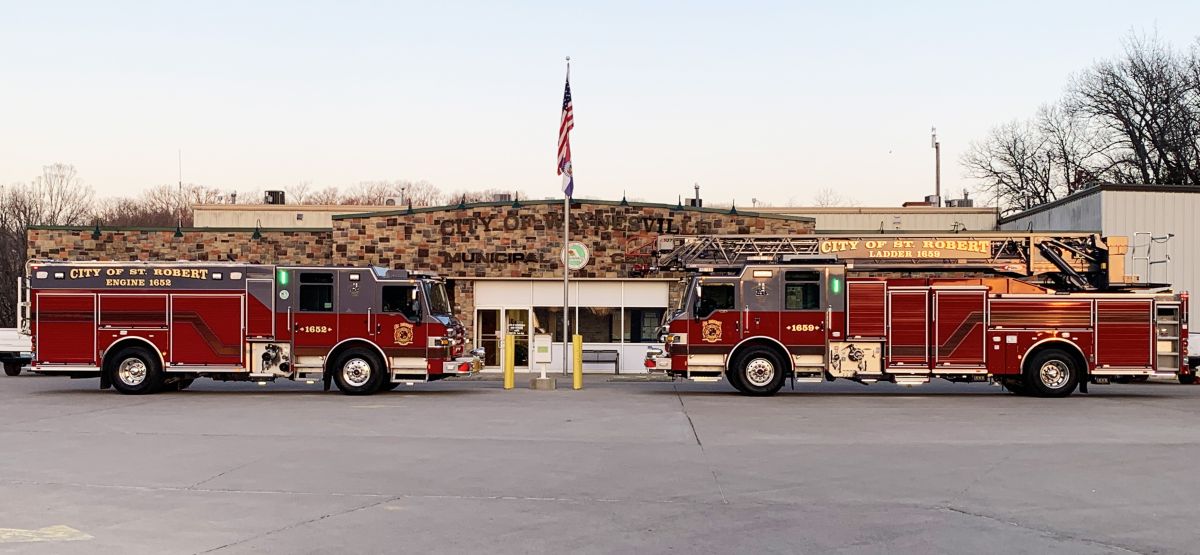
x=910 y=381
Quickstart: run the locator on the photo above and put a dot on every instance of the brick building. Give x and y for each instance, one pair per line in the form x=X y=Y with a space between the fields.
x=501 y=259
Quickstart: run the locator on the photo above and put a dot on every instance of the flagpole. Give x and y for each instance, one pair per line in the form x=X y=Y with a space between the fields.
x=566 y=267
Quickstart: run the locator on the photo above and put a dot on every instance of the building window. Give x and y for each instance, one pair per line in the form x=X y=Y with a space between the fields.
x=598 y=324
x=548 y=320
x=642 y=324
x=316 y=291
x=401 y=299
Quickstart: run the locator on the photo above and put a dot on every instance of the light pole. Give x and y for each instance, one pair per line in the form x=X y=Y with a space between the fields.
x=937 y=165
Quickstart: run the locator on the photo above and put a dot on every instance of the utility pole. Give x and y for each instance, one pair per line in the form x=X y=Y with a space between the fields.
x=937 y=165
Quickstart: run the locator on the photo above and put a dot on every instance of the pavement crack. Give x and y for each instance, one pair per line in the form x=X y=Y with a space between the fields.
x=302 y=523
x=1046 y=531
x=218 y=475
x=703 y=453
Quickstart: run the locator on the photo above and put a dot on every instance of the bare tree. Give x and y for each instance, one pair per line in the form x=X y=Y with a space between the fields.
x=828 y=196
x=299 y=193
x=326 y=196
x=56 y=197
x=1147 y=100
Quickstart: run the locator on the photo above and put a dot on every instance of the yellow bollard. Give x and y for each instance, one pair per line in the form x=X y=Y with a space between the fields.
x=510 y=358
x=577 y=367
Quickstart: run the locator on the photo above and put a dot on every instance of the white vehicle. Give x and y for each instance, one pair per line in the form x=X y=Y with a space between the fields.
x=15 y=350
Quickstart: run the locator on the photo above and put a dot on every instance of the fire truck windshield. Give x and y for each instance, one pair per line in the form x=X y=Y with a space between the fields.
x=439 y=303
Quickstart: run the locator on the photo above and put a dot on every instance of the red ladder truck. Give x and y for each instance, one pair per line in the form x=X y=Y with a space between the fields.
x=144 y=327
x=1038 y=314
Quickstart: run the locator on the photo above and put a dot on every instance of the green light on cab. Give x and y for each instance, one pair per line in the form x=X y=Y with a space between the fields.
x=835 y=285
x=283 y=277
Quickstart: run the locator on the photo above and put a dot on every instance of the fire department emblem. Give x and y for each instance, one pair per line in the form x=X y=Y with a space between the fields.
x=710 y=331
x=402 y=333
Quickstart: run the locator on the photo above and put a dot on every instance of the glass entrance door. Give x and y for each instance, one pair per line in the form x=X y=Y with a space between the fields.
x=516 y=323
x=490 y=335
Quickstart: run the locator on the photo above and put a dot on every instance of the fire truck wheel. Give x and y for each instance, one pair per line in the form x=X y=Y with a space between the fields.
x=135 y=371
x=12 y=368
x=735 y=380
x=759 y=371
x=1052 y=373
x=358 y=372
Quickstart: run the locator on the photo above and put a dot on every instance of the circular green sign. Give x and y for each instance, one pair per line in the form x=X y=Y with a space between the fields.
x=577 y=255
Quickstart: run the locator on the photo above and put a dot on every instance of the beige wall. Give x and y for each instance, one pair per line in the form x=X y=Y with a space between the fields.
x=916 y=218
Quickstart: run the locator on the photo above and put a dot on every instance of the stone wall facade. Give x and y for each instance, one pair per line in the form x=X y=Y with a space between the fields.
x=275 y=247
x=523 y=240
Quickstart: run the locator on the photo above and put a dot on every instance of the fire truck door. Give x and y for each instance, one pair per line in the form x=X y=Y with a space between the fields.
x=314 y=315
x=760 y=303
x=717 y=325
x=397 y=327
x=356 y=305
x=805 y=308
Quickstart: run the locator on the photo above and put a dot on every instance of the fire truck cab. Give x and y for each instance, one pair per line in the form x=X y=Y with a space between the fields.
x=757 y=314
x=146 y=327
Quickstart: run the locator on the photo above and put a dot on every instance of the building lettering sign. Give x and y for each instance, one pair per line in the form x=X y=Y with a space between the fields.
x=582 y=222
x=908 y=248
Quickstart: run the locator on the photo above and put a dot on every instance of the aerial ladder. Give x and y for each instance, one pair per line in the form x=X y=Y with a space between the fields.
x=1059 y=261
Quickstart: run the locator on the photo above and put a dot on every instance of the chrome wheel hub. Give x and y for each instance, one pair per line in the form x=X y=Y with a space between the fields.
x=760 y=372
x=132 y=371
x=1054 y=374
x=356 y=372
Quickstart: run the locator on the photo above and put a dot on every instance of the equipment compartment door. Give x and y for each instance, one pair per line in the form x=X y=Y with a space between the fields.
x=1125 y=333
x=958 y=330
x=66 y=329
x=206 y=329
x=908 y=330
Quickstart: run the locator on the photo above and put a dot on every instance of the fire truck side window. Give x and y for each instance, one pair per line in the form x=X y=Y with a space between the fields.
x=401 y=299
x=316 y=292
x=713 y=297
x=802 y=290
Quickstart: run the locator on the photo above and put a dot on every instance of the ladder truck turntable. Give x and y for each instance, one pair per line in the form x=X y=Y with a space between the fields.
x=1039 y=314
x=143 y=327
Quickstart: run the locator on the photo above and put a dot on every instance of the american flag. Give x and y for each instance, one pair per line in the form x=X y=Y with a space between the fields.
x=564 y=141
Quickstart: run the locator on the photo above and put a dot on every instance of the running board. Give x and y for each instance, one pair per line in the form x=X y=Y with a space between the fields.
x=910 y=381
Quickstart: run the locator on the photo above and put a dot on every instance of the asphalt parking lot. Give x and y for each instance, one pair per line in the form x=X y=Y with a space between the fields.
x=617 y=467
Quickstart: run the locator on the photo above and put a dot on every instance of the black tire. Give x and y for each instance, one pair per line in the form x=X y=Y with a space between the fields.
x=1016 y=387
x=358 y=372
x=760 y=371
x=135 y=371
x=1185 y=380
x=12 y=368
x=735 y=380
x=1052 y=373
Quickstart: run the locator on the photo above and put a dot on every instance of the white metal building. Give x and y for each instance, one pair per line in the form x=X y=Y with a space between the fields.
x=1160 y=221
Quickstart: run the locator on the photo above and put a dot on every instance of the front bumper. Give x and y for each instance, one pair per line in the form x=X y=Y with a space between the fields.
x=657 y=360
x=462 y=366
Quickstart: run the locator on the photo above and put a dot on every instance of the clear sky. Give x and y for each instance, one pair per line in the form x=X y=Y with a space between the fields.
x=768 y=100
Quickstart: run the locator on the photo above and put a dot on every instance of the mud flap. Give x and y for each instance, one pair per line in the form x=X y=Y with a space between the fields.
x=1083 y=383
x=327 y=380
x=105 y=381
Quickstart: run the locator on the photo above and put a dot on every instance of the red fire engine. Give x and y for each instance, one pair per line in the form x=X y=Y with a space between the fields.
x=144 y=327
x=1040 y=315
